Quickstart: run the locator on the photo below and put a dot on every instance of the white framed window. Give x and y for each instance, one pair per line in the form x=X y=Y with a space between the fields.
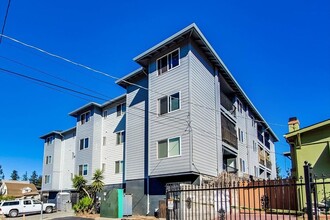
x=254 y=146
x=47 y=179
x=120 y=137
x=242 y=165
x=119 y=166
x=169 y=103
x=240 y=135
x=84 y=143
x=85 y=117
x=48 y=159
x=104 y=140
x=49 y=140
x=169 y=61
x=121 y=109
x=170 y=147
x=83 y=170
x=105 y=113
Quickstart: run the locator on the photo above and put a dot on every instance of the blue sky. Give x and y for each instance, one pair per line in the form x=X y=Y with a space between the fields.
x=279 y=52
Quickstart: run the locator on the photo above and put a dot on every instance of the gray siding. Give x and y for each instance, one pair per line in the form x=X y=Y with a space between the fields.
x=172 y=124
x=136 y=136
x=203 y=115
x=67 y=160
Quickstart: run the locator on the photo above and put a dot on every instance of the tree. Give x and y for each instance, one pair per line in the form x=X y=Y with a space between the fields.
x=79 y=183
x=25 y=177
x=278 y=171
x=14 y=175
x=2 y=176
x=34 y=178
x=97 y=184
x=39 y=182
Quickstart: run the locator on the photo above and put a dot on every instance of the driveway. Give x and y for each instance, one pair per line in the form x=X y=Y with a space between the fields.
x=54 y=215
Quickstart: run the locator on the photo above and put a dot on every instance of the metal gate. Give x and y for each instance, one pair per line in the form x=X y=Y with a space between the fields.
x=305 y=198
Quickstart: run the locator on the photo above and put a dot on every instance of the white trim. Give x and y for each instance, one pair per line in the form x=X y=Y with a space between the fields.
x=167 y=139
x=168 y=67
x=168 y=103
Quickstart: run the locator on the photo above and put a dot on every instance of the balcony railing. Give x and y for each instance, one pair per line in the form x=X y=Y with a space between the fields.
x=262 y=161
x=268 y=164
x=229 y=137
x=227 y=103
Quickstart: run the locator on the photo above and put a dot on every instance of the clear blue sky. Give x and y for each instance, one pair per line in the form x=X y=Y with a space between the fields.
x=279 y=52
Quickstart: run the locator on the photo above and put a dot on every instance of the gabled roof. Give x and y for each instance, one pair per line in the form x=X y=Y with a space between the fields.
x=308 y=128
x=19 y=189
x=193 y=32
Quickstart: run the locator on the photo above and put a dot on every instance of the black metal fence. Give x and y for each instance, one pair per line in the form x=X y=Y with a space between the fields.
x=265 y=199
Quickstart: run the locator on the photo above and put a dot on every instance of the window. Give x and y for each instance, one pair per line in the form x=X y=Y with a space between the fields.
x=85 y=117
x=169 y=103
x=49 y=140
x=120 y=137
x=105 y=113
x=104 y=142
x=84 y=143
x=48 y=159
x=253 y=124
x=169 y=147
x=168 y=62
x=242 y=165
x=254 y=146
x=47 y=179
x=239 y=106
x=27 y=202
x=240 y=135
x=121 y=109
x=83 y=170
x=119 y=166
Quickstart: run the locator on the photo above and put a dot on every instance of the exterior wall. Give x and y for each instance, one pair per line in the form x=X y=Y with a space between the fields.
x=136 y=156
x=85 y=156
x=96 y=142
x=67 y=160
x=172 y=124
x=251 y=139
x=49 y=168
x=203 y=114
x=139 y=198
x=111 y=152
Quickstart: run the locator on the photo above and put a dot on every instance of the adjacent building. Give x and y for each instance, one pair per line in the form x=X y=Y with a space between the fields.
x=183 y=118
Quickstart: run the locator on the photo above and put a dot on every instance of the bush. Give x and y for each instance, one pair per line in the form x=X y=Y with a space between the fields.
x=4 y=198
x=84 y=205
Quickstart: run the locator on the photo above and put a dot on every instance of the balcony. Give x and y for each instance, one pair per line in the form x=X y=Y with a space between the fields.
x=267 y=144
x=260 y=137
x=269 y=164
x=229 y=137
x=227 y=103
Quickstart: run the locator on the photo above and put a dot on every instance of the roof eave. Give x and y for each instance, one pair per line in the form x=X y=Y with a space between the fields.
x=76 y=111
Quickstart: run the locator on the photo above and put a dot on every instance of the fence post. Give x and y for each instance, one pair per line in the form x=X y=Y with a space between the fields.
x=167 y=211
x=308 y=181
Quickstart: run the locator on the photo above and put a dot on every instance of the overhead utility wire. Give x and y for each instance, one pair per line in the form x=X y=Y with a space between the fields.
x=103 y=73
x=56 y=77
x=48 y=83
x=5 y=21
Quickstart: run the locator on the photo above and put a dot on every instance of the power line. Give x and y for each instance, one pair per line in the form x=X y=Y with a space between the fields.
x=108 y=75
x=50 y=84
x=5 y=20
x=56 y=77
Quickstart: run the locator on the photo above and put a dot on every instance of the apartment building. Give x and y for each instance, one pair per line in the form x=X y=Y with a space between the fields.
x=183 y=118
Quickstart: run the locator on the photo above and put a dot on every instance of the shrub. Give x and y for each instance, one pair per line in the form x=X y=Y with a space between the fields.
x=84 y=205
x=4 y=198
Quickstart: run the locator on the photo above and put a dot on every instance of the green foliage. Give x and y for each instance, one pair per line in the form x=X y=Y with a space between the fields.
x=25 y=177
x=34 y=178
x=79 y=183
x=97 y=184
x=14 y=175
x=4 y=198
x=84 y=205
x=2 y=176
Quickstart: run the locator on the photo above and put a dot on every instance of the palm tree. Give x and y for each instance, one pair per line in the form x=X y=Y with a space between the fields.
x=79 y=183
x=97 y=184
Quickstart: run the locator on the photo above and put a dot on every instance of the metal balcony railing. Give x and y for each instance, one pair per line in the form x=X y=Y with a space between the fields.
x=229 y=137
